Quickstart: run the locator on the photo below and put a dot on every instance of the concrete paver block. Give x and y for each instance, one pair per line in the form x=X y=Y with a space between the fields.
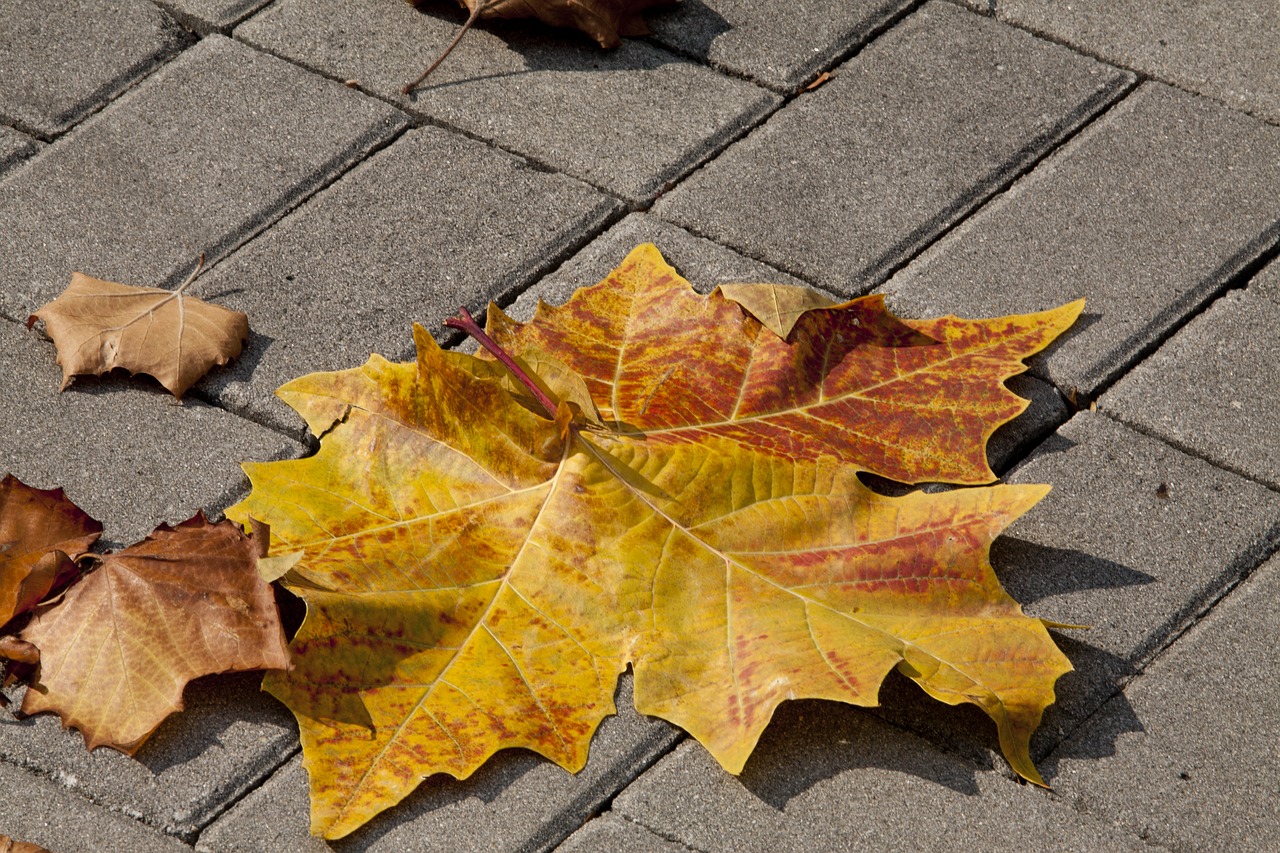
x=14 y=148
x=707 y=265
x=61 y=60
x=611 y=834
x=405 y=237
x=41 y=812
x=1213 y=388
x=630 y=120
x=516 y=801
x=828 y=777
x=1225 y=49
x=205 y=153
x=779 y=48
x=1148 y=213
x=1134 y=540
x=1202 y=769
x=849 y=181
x=206 y=16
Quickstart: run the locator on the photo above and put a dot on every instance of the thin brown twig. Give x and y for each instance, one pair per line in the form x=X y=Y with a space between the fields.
x=475 y=13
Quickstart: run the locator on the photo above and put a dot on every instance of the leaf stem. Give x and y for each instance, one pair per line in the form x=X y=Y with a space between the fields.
x=192 y=277
x=466 y=323
x=475 y=13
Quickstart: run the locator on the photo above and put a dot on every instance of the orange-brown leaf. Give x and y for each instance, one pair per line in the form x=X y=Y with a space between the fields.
x=98 y=326
x=8 y=845
x=40 y=532
x=603 y=20
x=477 y=575
x=117 y=651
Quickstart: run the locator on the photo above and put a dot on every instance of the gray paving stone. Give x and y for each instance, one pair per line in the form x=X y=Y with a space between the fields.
x=707 y=265
x=1213 y=388
x=41 y=812
x=781 y=49
x=206 y=152
x=611 y=834
x=123 y=449
x=631 y=120
x=1202 y=772
x=517 y=801
x=1148 y=214
x=406 y=237
x=1134 y=540
x=831 y=777
x=206 y=16
x=1225 y=49
x=61 y=60
x=230 y=737
x=852 y=179
x=14 y=148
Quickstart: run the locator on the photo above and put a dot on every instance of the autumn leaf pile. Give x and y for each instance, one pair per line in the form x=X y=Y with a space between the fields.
x=479 y=569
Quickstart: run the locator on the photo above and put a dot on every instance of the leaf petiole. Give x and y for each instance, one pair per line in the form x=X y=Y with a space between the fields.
x=466 y=323
x=475 y=13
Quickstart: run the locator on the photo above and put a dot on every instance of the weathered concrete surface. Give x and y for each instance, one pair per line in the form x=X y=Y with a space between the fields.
x=1225 y=49
x=1148 y=214
x=630 y=120
x=61 y=60
x=14 y=148
x=1213 y=389
x=404 y=238
x=831 y=777
x=205 y=153
x=206 y=16
x=852 y=179
x=1200 y=769
x=782 y=48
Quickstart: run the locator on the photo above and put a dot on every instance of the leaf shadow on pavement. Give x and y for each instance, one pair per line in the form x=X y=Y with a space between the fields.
x=1031 y=572
x=546 y=48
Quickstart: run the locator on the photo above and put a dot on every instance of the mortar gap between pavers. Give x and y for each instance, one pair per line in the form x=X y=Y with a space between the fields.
x=1247 y=261
x=254 y=785
x=959 y=211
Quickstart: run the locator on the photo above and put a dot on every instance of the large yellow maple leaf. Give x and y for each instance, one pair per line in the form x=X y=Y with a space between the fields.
x=478 y=573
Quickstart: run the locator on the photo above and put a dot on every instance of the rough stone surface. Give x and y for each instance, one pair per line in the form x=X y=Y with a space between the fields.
x=230 y=737
x=1202 y=770
x=63 y=59
x=206 y=152
x=517 y=801
x=1148 y=213
x=779 y=47
x=123 y=449
x=404 y=238
x=611 y=834
x=40 y=812
x=1134 y=540
x=1225 y=49
x=205 y=16
x=14 y=148
x=629 y=120
x=1213 y=389
x=831 y=777
x=852 y=179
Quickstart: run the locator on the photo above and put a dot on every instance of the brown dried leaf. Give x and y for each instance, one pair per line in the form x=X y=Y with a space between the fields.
x=41 y=531
x=8 y=845
x=118 y=650
x=98 y=326
x=604 y=20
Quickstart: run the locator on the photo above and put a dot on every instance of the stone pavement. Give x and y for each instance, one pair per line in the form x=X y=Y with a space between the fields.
x=980 y=157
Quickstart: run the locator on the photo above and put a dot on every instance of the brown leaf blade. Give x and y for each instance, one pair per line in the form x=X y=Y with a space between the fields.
x=117 y=651
x=40 y=531
x=99 y=325
x=606 y=21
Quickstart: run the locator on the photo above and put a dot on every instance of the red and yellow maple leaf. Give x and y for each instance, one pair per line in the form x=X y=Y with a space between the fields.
x=477 y=575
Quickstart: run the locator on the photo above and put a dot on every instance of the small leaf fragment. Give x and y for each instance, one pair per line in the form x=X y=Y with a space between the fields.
x=98 y=326
x=41 y=532
x=117 y=651
x=778 y=306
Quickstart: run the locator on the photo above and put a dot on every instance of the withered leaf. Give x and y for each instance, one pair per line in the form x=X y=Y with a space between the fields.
x=118 y=649
x=41 y=531
x=477 y=576
x=8 y=845
x=98 y=326
x=604 y=20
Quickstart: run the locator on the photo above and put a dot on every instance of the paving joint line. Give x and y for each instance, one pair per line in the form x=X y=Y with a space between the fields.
x=663 y=835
